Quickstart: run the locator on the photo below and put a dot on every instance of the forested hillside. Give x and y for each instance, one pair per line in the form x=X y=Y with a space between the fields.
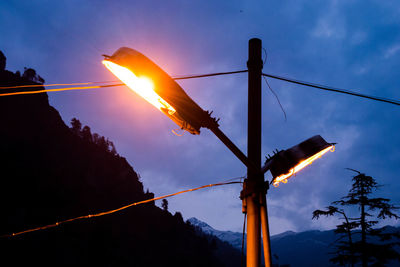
x=51 y=172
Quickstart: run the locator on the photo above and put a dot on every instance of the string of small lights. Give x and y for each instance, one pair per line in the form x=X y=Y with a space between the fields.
x=53 y=84
x=228 y=182
x=183 y=77
x=59 y=89
x=95 y=87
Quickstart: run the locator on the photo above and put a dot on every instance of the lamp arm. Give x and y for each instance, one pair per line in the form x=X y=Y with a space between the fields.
x=232 y=147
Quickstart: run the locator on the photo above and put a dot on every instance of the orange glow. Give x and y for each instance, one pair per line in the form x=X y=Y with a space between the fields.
x=283 y=178
x=141 y=85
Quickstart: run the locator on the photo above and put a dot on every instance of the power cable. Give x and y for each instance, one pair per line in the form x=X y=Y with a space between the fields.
x=208 y=75
x=332 y=89
x=322 y=87
x=115 y=210
x=276 y=97
x=95 y=87
x=266 y=56
x=266 y=81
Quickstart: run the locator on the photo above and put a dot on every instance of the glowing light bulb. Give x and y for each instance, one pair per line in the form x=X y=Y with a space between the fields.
x=301 y=165
x=141 y=85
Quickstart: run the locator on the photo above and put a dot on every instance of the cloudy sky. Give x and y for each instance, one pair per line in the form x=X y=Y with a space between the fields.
x=346 y=44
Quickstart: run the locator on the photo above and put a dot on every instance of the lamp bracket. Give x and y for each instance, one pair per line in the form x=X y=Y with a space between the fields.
x=252 y=187
x=210 y=122
x=269 y=160
x=256 y=64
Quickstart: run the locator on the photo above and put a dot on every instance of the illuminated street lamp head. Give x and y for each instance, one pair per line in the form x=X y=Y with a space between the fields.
x=288 y=162
x=148 y=80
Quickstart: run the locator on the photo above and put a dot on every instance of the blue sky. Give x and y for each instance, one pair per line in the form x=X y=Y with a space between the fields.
x=346 y=44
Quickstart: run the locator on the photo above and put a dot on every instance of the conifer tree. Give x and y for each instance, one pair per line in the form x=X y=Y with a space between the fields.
x=86 y=134
x=164 y=204
x=76 y=126
x=359 y=241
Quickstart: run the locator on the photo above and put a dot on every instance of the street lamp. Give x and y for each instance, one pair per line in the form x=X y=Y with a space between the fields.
x=286 y=163
x=148 y=80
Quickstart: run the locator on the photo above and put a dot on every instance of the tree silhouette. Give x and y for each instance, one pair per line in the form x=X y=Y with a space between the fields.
x=101 y=142
x=112 y=148
x=3 y=60
x=50 y=173
x=359 y=242
x=30 y=75
x=86 y=134
x=76 y=126
x=178 y=216
x=164 y=204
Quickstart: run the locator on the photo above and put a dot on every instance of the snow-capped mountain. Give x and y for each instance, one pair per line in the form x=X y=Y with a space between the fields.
x=287 y=248
x=309 y=248
x=233 y=238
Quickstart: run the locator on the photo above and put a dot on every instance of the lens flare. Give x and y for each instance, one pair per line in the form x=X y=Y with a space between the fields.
x=141 y=85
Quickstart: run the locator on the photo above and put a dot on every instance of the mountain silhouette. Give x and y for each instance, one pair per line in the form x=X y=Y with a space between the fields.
x=51 y=172
x=295 y=249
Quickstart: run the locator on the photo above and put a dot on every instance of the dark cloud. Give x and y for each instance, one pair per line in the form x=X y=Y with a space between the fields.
x=352 y=44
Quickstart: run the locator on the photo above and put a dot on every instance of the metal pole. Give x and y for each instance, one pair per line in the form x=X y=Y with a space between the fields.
x=254 y=178
x=265 y=231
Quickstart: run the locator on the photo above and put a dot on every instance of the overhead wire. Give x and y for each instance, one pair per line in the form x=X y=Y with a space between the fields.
x=333 y=89
x=95 y=87
x=182 y=77
x=277 y=98
x=117 y=209
x=270 y=88
x=318 y=86
x=207 y=75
